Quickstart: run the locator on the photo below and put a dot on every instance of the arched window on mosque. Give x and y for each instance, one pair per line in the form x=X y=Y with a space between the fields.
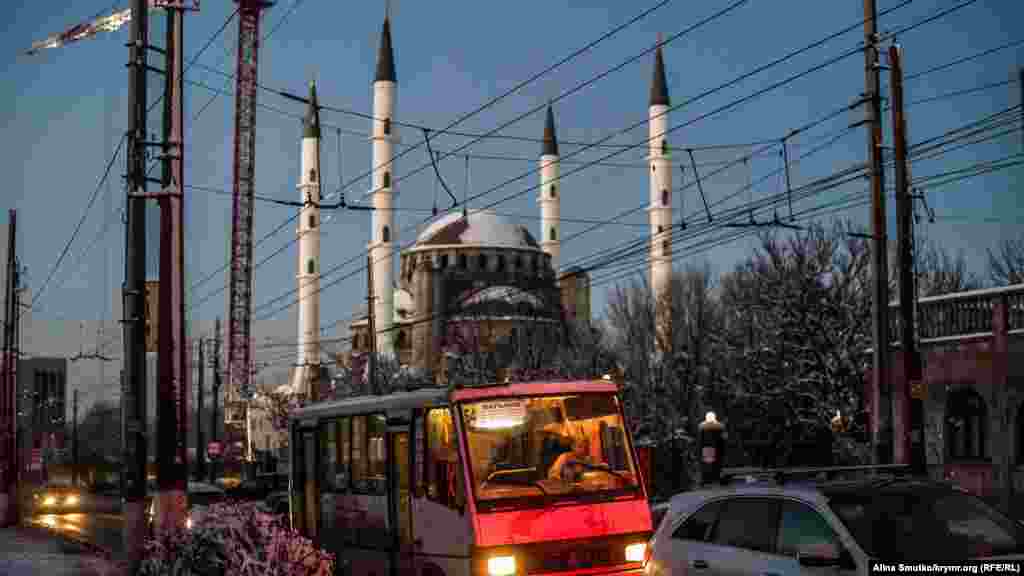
x=664 y=147
x=312 y=221
x=312 y=175
x=385 y=234
x=553 y=235
x=551 y=191
x=966 y=425
x=387 y=126
x=664 y=197
x=310 y=266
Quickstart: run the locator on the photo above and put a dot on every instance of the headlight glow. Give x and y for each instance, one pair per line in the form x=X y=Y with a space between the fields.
x=188 y=523
x=501 y=566
x=71 y=500
x=635 y=552
x=49 y=501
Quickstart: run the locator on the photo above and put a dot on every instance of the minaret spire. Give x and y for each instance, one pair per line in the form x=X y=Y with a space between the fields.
x=659 y=87
x=385 y=55
x=549 y=197
x=307 y=370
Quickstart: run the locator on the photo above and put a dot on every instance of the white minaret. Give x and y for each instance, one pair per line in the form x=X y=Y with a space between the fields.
x=307 y=367
x=548 y=197
x=660 y=208
x=383 y=242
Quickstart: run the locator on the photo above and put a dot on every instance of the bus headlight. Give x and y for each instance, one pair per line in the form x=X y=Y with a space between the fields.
x=71 y=500
x=501 y=566
x=636 y=552
x=188 y=523
x=49 y=501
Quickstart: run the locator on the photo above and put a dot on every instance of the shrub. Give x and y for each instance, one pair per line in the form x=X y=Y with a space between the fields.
x=235 y=539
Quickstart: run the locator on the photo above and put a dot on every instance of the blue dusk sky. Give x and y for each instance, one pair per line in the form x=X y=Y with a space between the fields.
x=64 y=111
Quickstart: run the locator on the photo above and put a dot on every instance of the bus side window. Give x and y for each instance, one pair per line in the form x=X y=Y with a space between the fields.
x=334 y=464
x=377 y=453
x=360 y=463
x=298 y=483
x=444 y=478
x=419 y=453
x=344 y=471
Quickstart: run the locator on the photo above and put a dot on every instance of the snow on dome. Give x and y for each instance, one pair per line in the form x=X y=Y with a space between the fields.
x=480 y=227
x=508 y=294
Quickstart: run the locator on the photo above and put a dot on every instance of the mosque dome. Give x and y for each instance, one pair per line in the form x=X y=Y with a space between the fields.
x=478 y=228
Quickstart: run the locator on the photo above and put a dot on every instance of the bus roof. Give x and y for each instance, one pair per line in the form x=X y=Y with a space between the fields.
x=440 y=396
x=372 y=403
x=533 y=389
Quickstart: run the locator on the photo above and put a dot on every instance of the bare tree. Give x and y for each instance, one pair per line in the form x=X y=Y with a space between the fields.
x=939 y=272
x=1007 y=265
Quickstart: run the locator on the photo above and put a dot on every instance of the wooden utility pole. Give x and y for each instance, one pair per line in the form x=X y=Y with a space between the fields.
x=9 y=383
x=133 y=397
x=371 y=326
x=881 y=440
x=909 y=425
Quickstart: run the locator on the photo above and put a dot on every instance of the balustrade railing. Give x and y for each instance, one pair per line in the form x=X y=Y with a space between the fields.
x=961 y=314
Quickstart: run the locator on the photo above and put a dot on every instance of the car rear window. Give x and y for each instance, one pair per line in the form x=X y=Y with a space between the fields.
x=926 y=524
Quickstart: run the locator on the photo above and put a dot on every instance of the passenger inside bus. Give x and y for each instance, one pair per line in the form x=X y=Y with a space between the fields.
x=571 y=465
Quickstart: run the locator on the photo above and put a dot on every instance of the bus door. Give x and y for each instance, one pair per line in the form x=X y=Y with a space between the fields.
x=400 y=497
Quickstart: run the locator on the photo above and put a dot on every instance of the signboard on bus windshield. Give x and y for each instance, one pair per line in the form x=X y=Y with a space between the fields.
x=507 y=413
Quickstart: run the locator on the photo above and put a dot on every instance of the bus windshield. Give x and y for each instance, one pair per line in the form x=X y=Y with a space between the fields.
x=544 y=446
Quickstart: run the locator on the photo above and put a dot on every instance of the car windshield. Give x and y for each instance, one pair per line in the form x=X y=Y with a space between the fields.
x=548 y=445
x=926 y=524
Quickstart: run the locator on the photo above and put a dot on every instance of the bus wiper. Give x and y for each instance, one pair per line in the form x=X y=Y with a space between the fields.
x=601 y=468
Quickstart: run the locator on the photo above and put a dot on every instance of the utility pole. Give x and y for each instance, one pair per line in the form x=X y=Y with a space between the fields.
x=74 y=442
x=200 y=458
x=216 y=395
x=133 y=397
x=172 y=467
x=880 y=272
x=371 y=327
x=909 y=448
x=9 y=385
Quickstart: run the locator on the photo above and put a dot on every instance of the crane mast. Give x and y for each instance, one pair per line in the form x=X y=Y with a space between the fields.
x=240 y=299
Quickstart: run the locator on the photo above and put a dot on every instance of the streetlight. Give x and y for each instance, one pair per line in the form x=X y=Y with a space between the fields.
x=712 y=446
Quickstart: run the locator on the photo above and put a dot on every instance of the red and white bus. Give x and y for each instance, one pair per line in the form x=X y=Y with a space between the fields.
x=498 y=480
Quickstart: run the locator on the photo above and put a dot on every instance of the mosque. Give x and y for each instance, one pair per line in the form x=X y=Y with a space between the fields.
x=472 y=280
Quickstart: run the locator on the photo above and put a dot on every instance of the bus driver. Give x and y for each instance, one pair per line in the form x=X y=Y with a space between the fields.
x=567 y=466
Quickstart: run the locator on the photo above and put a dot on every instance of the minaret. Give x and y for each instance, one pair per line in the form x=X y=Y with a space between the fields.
x=660 y=208
x=548 y=196
x=383 y=241
x=307 y=367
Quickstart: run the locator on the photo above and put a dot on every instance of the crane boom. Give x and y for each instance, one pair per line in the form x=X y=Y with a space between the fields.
x=240 y=299
x=111 y=22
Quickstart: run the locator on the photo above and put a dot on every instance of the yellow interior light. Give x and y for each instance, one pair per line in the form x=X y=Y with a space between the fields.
x=501 y=566
x=49 y=501
x=71 y=500
x=635 y=552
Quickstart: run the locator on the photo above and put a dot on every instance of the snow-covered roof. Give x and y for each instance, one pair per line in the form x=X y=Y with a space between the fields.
x=480 y=227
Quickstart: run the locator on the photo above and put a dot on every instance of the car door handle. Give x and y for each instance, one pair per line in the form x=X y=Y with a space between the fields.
x=700 y=564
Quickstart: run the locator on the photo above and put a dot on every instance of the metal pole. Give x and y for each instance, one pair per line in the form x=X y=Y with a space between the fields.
x=880 y=304
x=371 y=326
x=216 y=396
x=133 y=481
x=74 y=443
x=200 y=457
x=10 y=384
x=171 y=463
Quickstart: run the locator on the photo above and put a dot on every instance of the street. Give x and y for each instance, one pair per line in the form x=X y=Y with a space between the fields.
x=98 y=521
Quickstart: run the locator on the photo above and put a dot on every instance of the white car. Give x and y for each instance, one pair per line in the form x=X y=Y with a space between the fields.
x=827 y=527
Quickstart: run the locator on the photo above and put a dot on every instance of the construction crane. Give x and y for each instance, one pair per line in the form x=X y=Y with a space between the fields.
x=240 y=298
